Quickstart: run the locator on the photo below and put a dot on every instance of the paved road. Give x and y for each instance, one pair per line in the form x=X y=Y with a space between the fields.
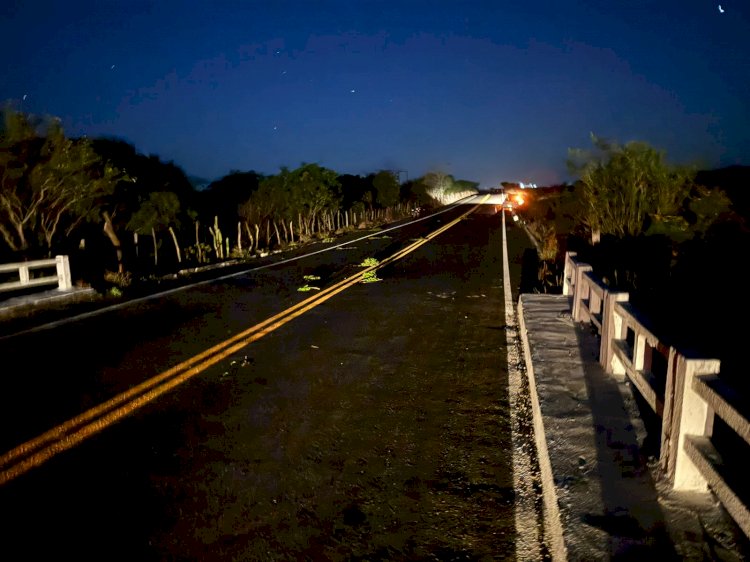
x=374 y=425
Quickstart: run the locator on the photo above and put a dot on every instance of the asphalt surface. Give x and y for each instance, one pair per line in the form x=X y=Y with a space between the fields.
x=224 y=467
x=374 y=425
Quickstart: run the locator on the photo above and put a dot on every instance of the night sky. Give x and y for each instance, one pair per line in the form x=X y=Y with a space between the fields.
x=486 y=91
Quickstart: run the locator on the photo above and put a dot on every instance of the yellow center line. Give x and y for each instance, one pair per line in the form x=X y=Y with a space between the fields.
x=72 y=432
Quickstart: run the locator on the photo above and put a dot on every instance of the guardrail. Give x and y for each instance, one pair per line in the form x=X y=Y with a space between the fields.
x=28 y=274
x=685 y=392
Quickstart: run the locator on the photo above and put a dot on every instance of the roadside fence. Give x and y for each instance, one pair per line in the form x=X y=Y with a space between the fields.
x=686 y=393
x=37 y=273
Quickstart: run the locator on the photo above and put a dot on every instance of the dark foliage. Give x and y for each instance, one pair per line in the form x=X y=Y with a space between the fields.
x=223 y=197
x=690 y=291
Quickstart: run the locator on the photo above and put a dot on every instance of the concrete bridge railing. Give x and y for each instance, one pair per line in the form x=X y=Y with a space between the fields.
x=686 y=393
x=37 y=273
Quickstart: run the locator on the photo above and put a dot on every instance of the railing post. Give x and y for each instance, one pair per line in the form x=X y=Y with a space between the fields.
x=611 y=328
x=568 y=272
x=64 y=280
x=595 y=303
x=694 y=417
x=581 y=291
x=666 y=457
x=639 y=352
x=23 y=274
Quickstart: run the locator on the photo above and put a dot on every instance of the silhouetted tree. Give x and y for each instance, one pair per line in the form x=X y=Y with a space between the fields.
x=314 y=189
x=48 y=182
x=354 y=189
x=160 y=211
x=624 y=185
x=146 y=174
x=387 y=189
x=224 y=196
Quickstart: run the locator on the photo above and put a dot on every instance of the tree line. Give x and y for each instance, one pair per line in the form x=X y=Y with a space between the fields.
x=627 y=205
x=670 y=235
x=119 y=213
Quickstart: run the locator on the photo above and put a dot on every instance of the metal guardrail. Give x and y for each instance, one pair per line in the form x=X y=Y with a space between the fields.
x=686 y=393
x=37 y=273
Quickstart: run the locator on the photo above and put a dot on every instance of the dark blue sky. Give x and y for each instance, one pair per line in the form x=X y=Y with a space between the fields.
x=486 y=91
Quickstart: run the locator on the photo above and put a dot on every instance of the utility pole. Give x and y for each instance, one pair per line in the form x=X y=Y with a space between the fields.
x=398 y=173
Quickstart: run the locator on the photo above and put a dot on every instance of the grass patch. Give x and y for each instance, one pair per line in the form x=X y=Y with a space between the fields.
x=311 y=277
x=370 y=277
x=369 y=262
x=305 y=288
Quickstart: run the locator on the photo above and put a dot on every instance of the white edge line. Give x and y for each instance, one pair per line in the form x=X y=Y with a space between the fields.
x=552 y=521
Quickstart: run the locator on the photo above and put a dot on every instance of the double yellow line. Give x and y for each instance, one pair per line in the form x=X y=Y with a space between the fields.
x=67 y=435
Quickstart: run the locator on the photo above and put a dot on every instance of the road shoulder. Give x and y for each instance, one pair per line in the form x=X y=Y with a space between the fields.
x=608 y=496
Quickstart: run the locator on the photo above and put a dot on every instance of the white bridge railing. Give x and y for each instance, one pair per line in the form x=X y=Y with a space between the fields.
x=686 y=393
x=37 y=273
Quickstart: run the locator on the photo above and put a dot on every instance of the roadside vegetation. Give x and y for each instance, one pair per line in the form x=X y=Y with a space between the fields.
x=127 y=219
x=673 y=237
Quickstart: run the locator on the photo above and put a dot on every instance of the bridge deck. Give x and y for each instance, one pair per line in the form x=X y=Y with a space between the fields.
x=603 y=494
